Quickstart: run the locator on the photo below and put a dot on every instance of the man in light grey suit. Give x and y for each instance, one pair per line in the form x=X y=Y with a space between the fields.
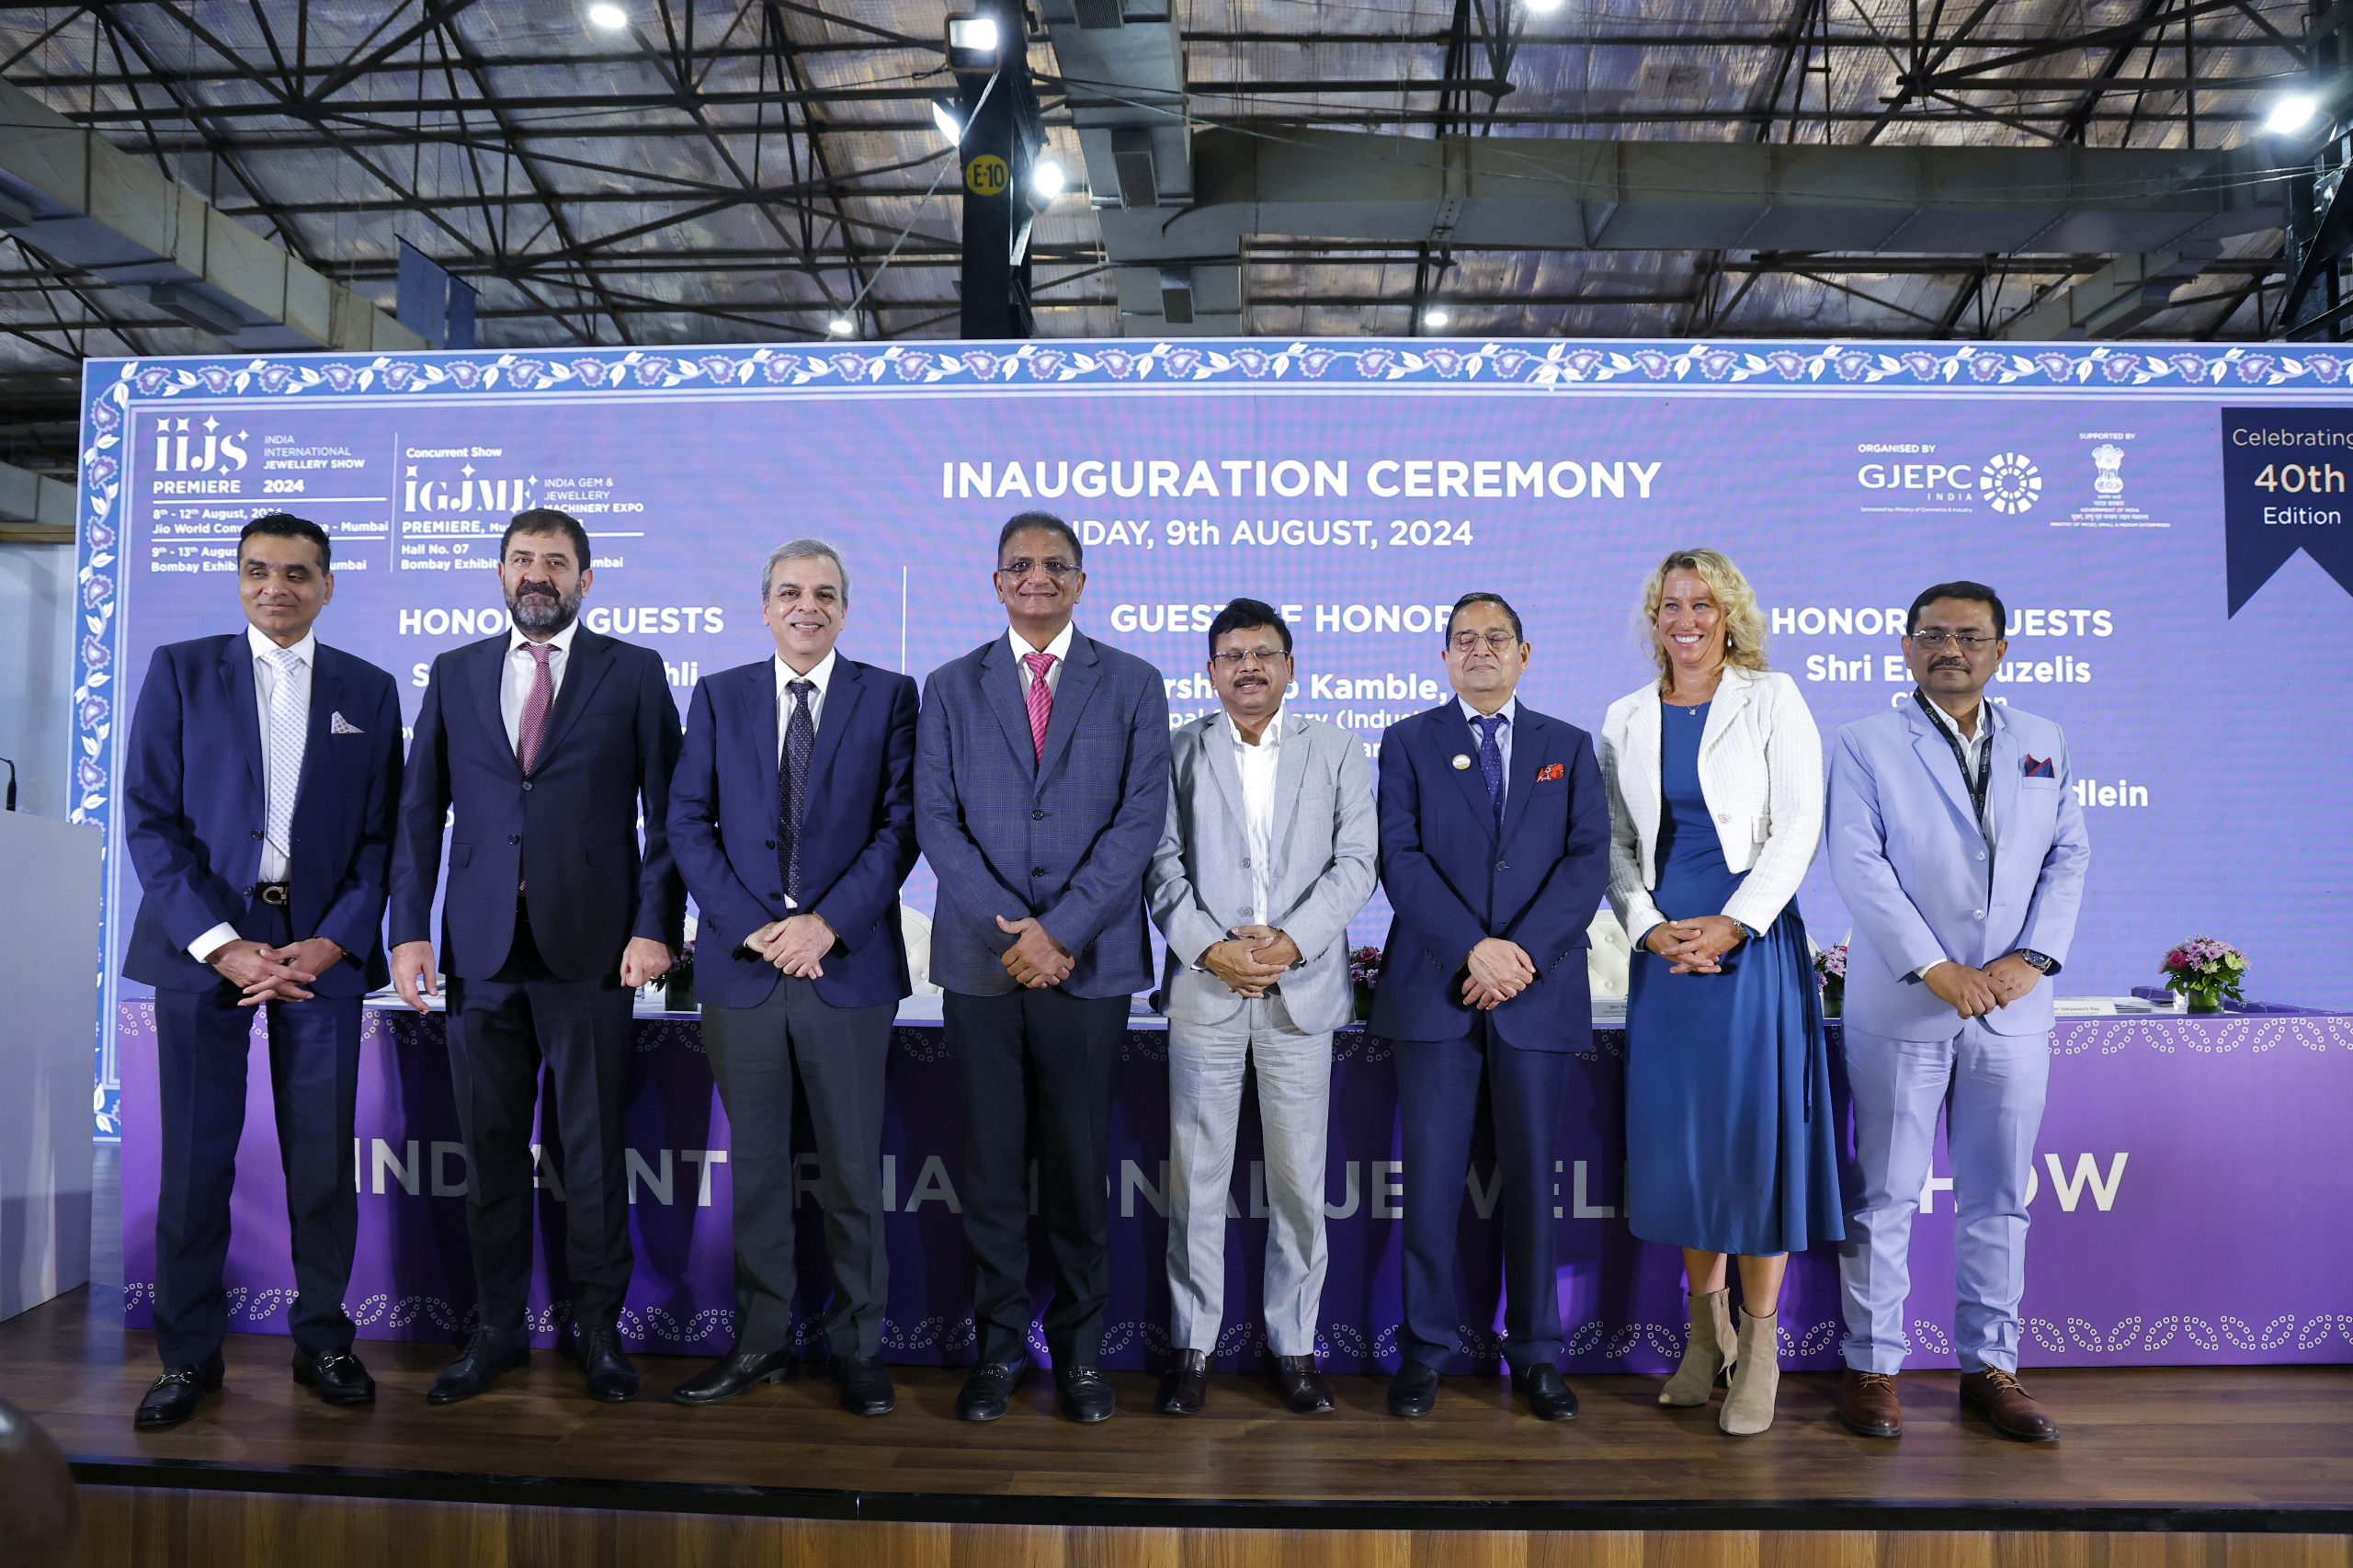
x=1269 y=852
x=1958 y=844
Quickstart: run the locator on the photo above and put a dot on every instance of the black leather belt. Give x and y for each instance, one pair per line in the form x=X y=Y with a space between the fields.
x=269 y=892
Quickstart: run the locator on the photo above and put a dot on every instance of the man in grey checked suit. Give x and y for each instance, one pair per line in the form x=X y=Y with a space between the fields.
x=1041 y=785
x=1269 y=852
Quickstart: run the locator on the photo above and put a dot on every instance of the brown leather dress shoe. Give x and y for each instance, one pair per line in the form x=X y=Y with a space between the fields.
x=1186 y=1386
x=1302 y=1386
x=1866 y=1403
x=2007 y=1406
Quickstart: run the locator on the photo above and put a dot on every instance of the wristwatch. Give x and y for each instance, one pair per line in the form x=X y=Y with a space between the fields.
x=2040 y=962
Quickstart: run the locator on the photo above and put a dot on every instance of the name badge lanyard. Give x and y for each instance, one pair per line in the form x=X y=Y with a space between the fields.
x=1977 y=787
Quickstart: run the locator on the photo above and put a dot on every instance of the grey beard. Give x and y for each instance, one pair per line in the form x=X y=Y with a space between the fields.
x=537 y=612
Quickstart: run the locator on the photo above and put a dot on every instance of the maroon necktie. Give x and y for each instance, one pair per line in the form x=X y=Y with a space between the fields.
x=1042 y=699
x=536 y=703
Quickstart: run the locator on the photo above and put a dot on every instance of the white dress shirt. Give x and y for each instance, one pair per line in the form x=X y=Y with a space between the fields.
x=515 y=682
x=1257 y=765
x=281 y=774
x=820 y=677
x=1509 y=712
x=1971 y=746
x=1059 y=648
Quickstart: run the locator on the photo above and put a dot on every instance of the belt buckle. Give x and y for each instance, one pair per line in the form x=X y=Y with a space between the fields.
x=273 y=894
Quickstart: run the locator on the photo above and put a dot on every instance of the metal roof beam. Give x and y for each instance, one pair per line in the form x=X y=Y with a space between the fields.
x=90 y=207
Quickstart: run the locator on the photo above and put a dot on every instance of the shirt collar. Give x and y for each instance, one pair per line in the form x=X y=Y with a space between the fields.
x=1268 y=738
x=820 y=676
x=1951 y=726
x=1509 y=711
x=1059 y=647
x=307 y=650
x=561 y=639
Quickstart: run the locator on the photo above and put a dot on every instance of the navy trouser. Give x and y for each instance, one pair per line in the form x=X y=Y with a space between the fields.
x=202 y=1043
x=1440 y=1084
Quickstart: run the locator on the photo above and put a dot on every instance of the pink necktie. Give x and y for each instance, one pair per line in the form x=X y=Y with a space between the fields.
x=1042 y=699
x=534 y=727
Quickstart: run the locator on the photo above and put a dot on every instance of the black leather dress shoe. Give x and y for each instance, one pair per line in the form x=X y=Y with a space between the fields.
x=610 y=1376
x=338 y=1377
x=1414 y=1391
x=862 y=1386
x=1083 y=1392
x=736 y=1374
x=1186 y=1386
x=1302 y=1387
x=988 y=1390
x=1547 y=1394
x=171 y=1399
x=490 y=1352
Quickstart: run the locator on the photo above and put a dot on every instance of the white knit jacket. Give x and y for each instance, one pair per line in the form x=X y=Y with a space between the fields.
x=1760 y=772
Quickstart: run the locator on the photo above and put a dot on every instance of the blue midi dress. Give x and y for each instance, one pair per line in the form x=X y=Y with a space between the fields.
x=1730 y=1142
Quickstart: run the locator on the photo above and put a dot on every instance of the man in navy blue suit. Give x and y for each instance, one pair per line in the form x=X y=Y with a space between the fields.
x=792 y=817
x=1494 y=838
x=540 y=748
x=1041 y=788
x=265 y=772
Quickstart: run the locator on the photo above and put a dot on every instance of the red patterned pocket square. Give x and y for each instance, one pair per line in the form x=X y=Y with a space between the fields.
x=1551 y=771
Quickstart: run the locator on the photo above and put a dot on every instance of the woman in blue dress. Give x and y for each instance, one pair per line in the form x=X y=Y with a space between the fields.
x=1714 y=773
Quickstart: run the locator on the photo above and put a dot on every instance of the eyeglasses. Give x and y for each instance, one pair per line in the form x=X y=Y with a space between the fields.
x=1968 y=641
x=1053 y=566
x=1469 y=642
x=1233 y=659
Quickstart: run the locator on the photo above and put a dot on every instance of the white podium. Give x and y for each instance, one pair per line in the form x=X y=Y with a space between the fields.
x=49 y=1018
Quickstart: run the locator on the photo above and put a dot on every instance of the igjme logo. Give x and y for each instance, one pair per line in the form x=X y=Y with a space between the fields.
x=2010 y=482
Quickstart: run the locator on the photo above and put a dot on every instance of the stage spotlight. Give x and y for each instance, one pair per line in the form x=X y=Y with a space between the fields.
x=1046 y=180
x=971 y=43
x=943 y=115
x=607 y=17
x=1541 y=7
x=1436 y=317
x=2290 y=114
x=841 y=326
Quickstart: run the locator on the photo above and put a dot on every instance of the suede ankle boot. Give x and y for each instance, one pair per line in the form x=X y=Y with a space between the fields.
x=1756 y=1377
x=1707 y=1350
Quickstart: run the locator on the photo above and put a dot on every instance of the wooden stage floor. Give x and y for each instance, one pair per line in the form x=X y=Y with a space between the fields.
x=2241 y=1449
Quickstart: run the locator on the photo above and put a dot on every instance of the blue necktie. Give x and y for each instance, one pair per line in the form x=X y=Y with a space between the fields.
x=1491 y=760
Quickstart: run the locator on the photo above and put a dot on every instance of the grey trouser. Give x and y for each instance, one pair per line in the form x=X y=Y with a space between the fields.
x=1205 y=1068
x=839 y=1053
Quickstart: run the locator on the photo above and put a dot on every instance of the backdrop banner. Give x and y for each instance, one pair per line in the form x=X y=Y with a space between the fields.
x=2153 y=516
x=2185 y=1168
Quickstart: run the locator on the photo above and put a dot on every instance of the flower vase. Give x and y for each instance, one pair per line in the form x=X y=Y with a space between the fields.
x=1364 y=1002
x=1834 y=1001
x=2204 y=1001
x=678 y=991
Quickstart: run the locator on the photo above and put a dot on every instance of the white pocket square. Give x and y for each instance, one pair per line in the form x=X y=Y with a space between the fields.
x=339 y=725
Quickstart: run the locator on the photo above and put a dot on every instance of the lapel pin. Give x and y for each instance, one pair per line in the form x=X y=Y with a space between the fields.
x=1462 y=760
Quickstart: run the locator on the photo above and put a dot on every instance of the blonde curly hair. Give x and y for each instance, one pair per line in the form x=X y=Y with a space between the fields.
x=1735 y=600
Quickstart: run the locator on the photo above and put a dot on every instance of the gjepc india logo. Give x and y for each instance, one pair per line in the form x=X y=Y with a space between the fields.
x=2010 y=482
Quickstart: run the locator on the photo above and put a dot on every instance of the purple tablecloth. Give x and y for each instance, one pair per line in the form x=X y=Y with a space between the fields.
x=2189 y=1172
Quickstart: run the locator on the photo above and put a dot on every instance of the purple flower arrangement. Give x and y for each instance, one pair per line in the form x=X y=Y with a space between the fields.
x=2206 y=970
x=1830 y=974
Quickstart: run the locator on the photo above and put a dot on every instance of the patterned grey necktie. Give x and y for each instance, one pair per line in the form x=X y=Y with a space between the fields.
x=288 y=718
x=792 y=785
x=1491 y=759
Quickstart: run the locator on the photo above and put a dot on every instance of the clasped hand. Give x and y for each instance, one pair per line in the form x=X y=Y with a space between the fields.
x=1035 y=960
x=1972 y=992
x=1696 y=946
x=1251 y=960
x=795 y=943
x=1500 y=970
x=274 y=974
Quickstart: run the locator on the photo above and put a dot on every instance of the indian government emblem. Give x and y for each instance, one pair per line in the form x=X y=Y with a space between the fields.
x=2110 y=483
